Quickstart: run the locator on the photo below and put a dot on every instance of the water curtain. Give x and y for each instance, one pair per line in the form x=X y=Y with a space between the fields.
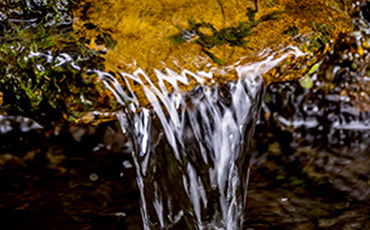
x=190 y=130
x=190 y=75
x=192 y=149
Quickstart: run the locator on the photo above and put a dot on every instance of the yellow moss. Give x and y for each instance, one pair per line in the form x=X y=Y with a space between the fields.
x=142 y=29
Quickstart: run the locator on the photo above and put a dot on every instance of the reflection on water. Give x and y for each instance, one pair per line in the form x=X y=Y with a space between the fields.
x=192 y=149
x=25 y=124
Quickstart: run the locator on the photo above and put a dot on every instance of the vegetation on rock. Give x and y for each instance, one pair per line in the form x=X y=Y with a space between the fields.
x=210 y=35
x=45 y=71
x=50 y=50
x=232 y=36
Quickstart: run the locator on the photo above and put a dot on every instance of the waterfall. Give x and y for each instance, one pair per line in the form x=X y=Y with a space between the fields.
x=192 y=149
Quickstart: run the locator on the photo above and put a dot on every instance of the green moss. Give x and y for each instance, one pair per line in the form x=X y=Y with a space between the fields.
x=320 y=37
x=232 y=36
x=292 y=31
x=42 y=65
x=280 y=177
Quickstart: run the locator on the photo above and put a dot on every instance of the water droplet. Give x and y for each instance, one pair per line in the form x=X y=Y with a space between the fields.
x=127 y=164
x=96 y=148
x=120 y=214
x=94 y=177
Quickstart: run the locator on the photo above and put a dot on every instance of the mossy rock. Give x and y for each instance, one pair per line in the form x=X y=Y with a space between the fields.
x=210 y=35
x=45 y=71
x=122 y=36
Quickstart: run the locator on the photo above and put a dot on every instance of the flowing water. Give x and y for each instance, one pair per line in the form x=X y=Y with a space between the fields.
x=192 y=149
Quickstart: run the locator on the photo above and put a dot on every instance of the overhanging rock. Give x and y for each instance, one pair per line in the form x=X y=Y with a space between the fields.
x=210 y=36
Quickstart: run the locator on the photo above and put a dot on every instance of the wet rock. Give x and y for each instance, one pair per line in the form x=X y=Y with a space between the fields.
x=314 y=146
x=209 y=36
x=45 y=72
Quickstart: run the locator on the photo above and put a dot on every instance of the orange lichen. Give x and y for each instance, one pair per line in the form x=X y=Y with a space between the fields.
x=142 y=30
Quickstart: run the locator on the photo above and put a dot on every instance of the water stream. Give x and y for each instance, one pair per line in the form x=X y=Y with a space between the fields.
x=192 y=149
